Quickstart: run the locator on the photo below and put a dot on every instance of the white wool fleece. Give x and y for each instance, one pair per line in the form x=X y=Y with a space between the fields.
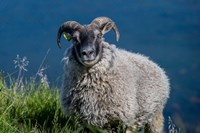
x=122 y=86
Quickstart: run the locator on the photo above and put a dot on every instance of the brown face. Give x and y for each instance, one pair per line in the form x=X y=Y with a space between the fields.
x=87 y=40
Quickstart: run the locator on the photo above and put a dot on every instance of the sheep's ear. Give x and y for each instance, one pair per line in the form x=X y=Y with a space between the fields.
x=107 y=28
x=67 y=36
x=68 y=27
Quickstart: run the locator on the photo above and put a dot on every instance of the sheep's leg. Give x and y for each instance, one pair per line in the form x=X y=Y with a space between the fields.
x=156 y=126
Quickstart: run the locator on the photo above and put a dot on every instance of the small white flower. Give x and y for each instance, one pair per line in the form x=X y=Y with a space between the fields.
x=44 y=80
x=21 y=63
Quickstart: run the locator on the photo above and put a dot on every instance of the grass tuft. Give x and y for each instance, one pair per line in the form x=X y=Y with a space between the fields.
x=35 y=110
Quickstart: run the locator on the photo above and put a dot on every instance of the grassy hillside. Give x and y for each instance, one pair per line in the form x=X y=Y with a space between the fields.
x=35 y=109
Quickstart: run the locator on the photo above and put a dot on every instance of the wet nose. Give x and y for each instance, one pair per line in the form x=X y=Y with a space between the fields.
x=87 y=52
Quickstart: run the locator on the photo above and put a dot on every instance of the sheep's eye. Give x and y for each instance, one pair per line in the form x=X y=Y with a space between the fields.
x=75 y=40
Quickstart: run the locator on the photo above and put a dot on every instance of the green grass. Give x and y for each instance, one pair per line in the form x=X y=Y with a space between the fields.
x=36 y=109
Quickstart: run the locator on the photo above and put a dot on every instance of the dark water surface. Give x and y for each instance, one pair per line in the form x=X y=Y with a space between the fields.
x=168 y=31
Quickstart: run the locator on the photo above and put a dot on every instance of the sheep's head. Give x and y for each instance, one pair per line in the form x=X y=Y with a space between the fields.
x=87 y=38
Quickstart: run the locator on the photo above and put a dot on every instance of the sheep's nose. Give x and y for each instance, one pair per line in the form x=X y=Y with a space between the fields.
x=87 y=52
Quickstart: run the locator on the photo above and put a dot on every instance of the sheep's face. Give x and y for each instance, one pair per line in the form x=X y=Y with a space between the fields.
x=87 y=46
x=87 y=39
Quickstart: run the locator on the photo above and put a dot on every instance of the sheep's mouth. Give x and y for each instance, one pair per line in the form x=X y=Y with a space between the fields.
x=89 y=63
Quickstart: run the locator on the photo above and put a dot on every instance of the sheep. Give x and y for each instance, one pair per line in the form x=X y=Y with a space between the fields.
x=103 y=84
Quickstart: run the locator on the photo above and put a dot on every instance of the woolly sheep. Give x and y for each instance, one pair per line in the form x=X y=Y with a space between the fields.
x=103 y=84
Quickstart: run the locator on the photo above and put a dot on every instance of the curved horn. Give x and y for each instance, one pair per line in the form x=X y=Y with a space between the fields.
x=69 y=27
x=105 y=24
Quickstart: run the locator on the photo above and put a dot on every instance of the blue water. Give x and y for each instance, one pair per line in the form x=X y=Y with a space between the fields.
x=168 y=31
